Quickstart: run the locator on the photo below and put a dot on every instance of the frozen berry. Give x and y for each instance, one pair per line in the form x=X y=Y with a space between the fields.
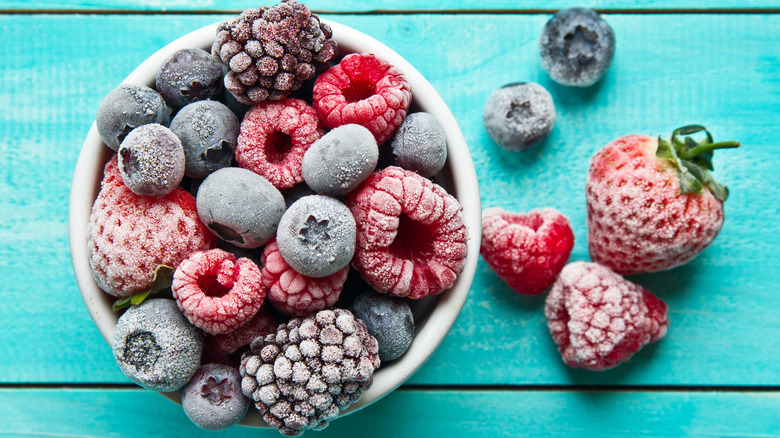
x=271 y=50
x=273 y=138
x=388 y=319
x=131 y=235
x=189 y=75
x=316 y=235
x=339 y=161
x=127 y=107
x=411 y=239
x=156 y=347
x=527 y=251
x=216 y=291
x=240 y=206
x=212 y=399
x=598 y=319
x=365 y=90
x=151 y=160
x=519 y=116
x=577 y=47
x=261 y=324
x=420 y=144
x=208 y=131
x=293 y=293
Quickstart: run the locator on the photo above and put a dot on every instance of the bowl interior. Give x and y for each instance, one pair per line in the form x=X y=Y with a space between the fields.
x=436 y=315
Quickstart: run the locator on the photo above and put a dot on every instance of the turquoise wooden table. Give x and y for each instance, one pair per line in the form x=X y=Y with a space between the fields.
x=497 y=373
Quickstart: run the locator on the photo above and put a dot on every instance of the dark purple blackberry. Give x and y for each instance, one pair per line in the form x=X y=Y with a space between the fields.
x=189 y=75
x=271 y=50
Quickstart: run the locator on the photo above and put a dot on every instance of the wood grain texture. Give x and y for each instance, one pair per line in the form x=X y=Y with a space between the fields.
x=670 y=70
x=413 y=413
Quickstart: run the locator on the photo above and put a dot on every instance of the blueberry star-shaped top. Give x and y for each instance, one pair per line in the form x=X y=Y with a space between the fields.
x=314 y=232
x=217 y=392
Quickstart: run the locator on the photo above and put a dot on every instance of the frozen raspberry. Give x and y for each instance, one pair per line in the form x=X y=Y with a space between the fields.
x=598 y=319
x=364 y=90
x=130 y=235
x=274 y=137
x=216 y=292
x=526 y=250
x=261 y=324
x=411 y=240
x=310 y=369
x=293 y=293
x=270 y=51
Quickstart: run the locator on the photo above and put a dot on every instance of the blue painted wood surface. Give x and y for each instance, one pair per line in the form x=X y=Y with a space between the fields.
x=721 y=70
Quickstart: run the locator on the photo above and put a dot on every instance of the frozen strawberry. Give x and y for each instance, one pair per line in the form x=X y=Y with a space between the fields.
x=527 y=251
x=131 y=235
x=411 y=240
x=598 y=319
x=216 y=291
x=274 y=137
x=653 y=204
x=364 y=90
x=293 y=293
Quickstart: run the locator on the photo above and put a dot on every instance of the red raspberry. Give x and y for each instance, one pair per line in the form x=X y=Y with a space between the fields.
x=526 y=250
x=273 y=138
x=218 y=348
x=130 y=235
x=293 y=293
x=216 y=292
x=598 y=319
x=411 y=240
x=364 y=90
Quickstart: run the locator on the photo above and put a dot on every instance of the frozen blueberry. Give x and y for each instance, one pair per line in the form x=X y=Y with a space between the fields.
x=151 y=160
x=420 y=144
x=189 y=75
x=388 y=319
x=213 y=399
x=240 y=206
x=127 y=107
x=155 y=345
x=518 y=116
x=577 y=47
x=316 y=236
x=208 y=131
x=340 y=160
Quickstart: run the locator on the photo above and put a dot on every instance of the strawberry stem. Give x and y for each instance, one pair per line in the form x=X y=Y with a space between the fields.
x=707 y=147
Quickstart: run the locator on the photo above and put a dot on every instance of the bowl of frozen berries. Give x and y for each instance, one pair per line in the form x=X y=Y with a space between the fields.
x=274 y=221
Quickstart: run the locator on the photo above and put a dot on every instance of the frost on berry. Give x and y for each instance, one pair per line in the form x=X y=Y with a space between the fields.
x=303 y=375
x=598 y=319
x=411 y=239
x=141 y=351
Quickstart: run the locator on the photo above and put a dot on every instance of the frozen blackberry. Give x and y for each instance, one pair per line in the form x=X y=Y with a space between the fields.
x=420 y=144
x=577 y=47
x=151 y=160
x=316 y=236
x=208 y=131
x=388 y=319
x=271 y=50
x=126 y=107
x=213 y=399
x=156 y=347
x=240 y=206
x=519 y=116
x=340 y=160
x=304 y=374
x=189 y=75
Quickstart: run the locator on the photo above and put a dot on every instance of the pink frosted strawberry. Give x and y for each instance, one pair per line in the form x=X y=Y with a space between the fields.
x=652 y=203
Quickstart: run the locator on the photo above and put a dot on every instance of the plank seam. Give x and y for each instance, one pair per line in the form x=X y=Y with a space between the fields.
x=607 y=11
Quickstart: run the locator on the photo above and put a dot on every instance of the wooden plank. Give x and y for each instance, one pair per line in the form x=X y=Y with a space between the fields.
x=415 y=413
x=348 y=6
x=719 y=70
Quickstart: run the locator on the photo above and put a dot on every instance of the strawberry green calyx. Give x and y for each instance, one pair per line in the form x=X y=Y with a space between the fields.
x=163 y=277
x=692 y=159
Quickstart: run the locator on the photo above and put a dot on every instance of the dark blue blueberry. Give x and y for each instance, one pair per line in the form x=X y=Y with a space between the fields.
x=518 y=116
x=151 y=160
x=189 y=75
x=420 y=144
x=208 y=131
x=126 y=108
x=388 y=319
x=577 y=47
x=213 y=399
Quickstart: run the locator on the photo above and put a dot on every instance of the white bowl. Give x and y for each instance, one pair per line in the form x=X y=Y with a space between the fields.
x=458 y=177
